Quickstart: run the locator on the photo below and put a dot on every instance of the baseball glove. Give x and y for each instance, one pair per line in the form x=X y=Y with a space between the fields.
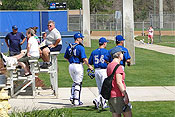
x=91 y=73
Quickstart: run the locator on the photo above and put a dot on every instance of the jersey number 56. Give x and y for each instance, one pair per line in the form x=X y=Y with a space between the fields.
x=97 y=60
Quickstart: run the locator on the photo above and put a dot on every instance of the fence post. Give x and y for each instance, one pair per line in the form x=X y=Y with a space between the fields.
x=96 y=21
x=159 y=30
x=143 y=34
x=68 y=19
x=41 y=27
x=172 y=28
x=110 y=29
x=80 y=20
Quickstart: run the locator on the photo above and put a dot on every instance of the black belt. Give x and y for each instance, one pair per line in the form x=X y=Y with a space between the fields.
x=75 y=63
x=100 y=68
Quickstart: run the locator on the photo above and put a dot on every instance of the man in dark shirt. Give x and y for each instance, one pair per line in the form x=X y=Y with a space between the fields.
x=12 y=40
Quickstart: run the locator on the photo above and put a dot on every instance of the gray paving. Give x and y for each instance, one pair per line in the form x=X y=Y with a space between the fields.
x=41 y=102
x=158 y=48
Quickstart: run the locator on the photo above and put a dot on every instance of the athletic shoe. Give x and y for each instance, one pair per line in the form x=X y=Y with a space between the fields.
x=4 y=58
x=27 y=74
x=96 y=103
x=80 y=103
x=46 y=65
x=101 y=102
x=72 y=100
x=103 y=105
x=49 y=64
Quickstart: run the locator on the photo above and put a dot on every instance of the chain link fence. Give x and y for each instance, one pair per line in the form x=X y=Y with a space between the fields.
x=108 y=23
x=99 y=22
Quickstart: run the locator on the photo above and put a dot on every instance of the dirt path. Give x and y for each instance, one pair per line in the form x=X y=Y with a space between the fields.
x=139 y=33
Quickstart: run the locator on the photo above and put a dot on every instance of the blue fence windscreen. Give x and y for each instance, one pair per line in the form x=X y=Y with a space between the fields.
x=26 y=19
x=21 y=19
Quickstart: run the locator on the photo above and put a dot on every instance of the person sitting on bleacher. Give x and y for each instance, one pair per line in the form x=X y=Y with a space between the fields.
x=32 y=53
x=53 y=43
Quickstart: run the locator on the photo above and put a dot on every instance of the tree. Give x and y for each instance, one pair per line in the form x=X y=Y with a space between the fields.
x=19 y=4
x=100 y=5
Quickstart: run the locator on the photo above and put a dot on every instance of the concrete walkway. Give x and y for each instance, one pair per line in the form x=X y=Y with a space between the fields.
x=158 y=48
x=44 y=101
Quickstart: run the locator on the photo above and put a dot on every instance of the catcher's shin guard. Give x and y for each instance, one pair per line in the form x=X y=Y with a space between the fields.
x=77 y=92
x=72 y=93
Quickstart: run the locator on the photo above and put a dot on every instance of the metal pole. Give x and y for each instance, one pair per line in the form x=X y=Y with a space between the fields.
x=41 y=27
x=103 y=22
x=159 y=30
x=68 y=19
x=80 y=20
x=116 y=26
x=110 y=29
x=154 y=14
x=0 y=45
x=172 y=27
x=143 y=29
x=96 y=21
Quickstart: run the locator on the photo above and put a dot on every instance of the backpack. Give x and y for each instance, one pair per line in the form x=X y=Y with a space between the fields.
x=107 y=85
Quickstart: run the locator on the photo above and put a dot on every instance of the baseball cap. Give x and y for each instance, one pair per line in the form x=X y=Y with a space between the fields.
x=115 y=50
x=119 y=38
x=14 y=27
x=102 y=40
x=78 y=35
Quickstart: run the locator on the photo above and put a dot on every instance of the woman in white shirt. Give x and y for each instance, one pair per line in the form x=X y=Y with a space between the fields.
x=150 y=34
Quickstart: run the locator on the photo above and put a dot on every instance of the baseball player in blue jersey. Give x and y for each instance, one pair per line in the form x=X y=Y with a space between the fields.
x=98 y=58
x=75 y=54
x=126 y=57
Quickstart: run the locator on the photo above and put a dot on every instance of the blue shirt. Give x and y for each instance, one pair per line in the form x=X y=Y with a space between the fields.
x=98 y=58
x=78 y=54
x=126 y=55
x=14 y=41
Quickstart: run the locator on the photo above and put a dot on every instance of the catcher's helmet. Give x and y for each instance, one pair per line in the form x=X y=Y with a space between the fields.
x=91 y=73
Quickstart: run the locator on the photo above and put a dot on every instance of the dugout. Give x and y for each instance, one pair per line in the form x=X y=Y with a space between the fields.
x=26 y=19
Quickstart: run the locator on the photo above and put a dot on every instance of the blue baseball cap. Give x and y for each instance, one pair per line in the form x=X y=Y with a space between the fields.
x=14 y=27
x=115 y=50
x=119 y=38
x=102 y=40
x=78 y=35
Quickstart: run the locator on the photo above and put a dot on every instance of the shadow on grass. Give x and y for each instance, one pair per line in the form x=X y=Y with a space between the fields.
x=91 y=108
x=55 y=103
x=62 y=60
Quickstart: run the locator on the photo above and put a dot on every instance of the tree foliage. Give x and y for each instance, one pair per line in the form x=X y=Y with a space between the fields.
x=142 y=8
x=19 y=4
x=97 y=6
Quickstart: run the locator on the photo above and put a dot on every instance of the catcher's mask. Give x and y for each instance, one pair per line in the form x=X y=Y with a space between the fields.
x=91 y=73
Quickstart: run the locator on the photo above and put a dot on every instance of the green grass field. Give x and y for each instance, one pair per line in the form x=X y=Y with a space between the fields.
x=140 y=109
x=164 y=40
x=151 y=69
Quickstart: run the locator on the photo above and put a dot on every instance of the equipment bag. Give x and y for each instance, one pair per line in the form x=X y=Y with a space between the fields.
x=107 y=85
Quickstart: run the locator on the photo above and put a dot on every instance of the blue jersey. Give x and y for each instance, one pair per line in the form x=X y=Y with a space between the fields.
x=78 y=54
x=98 y=58
x=14 y=41
x=126 y=55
